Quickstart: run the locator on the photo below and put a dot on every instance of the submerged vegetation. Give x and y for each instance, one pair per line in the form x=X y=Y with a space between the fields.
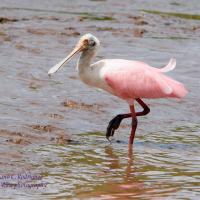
x=180 y=15
x=92 y=16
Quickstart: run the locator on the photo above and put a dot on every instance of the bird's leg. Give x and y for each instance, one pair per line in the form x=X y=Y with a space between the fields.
x=115 y=122
x=134 y=119
x=146 y=109
x=134 y=124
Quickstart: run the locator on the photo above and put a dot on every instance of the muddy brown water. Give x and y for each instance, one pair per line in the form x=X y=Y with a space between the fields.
x=55 y=127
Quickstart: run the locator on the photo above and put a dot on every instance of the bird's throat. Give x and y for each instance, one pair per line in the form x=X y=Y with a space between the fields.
x=85 y=60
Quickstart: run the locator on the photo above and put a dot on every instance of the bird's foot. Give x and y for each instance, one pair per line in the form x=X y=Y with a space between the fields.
x=113 y=125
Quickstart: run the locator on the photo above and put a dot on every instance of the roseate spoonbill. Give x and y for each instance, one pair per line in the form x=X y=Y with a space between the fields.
x=128 y=80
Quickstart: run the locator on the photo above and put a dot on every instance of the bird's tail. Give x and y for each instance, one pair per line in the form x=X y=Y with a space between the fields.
x=170 y=66
x=178 y=89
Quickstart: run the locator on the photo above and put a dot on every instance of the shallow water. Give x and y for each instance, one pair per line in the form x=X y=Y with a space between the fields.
x=56 y=126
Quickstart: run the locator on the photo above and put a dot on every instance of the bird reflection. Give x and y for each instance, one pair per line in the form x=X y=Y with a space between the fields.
x=115 y=162
x=129 y=186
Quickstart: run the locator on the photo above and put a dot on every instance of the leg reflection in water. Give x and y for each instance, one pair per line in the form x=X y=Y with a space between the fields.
x=125 y=172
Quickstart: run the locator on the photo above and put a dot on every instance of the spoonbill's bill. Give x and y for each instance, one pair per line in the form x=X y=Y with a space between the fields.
x=128 y=80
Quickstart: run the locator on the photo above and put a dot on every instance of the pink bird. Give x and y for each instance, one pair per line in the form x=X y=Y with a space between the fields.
x=128 y=80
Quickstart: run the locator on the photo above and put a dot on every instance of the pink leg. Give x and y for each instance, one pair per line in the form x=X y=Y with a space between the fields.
x=134 y=124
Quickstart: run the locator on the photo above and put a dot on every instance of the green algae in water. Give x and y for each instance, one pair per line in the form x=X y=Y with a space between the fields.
x=105 y=29
x=97 y=0
x=179 y=15
x=92 y=134
x=195 y=128
x=170 y=38
x=83 y=15
x=92 y=16
x=175 y=4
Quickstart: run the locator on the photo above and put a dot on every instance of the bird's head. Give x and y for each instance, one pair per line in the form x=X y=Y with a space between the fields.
x=87 y=42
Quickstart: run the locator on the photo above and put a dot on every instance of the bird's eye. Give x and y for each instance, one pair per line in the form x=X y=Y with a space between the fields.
x=92 y=43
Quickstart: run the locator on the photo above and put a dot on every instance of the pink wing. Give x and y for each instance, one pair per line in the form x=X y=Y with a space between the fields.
x=133 y=79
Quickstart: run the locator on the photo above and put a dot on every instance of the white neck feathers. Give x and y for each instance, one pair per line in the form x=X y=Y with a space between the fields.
x=85 y=59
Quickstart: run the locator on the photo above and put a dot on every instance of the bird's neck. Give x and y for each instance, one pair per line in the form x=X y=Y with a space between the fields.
x=85 y=60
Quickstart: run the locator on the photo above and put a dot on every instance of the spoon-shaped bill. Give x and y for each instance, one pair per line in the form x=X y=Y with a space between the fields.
x=56 y=67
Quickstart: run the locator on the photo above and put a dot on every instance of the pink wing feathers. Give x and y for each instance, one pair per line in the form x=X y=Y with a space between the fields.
x=133 y=79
